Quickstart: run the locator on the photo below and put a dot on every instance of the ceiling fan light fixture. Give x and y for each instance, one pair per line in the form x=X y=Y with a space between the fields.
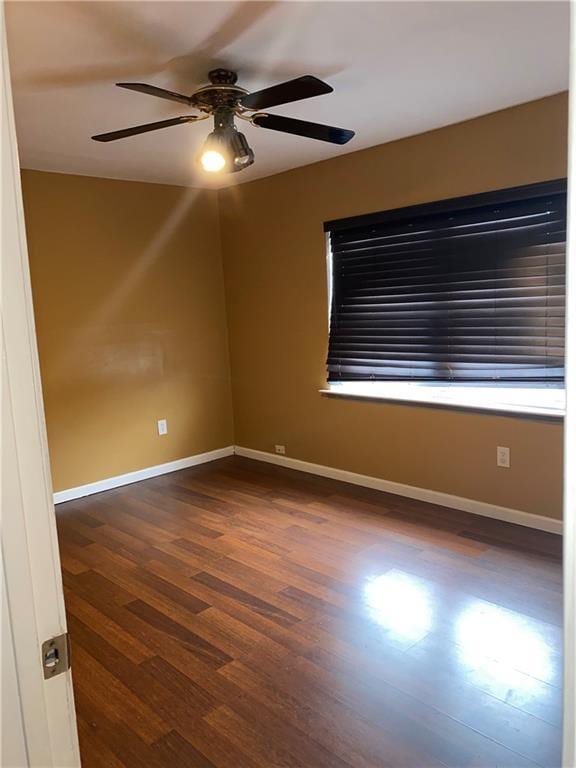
x=212 y=160
x=242 y=154
x=215 y=155
x=225 y=149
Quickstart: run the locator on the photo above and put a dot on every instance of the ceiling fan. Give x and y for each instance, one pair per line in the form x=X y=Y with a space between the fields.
x=226 y=149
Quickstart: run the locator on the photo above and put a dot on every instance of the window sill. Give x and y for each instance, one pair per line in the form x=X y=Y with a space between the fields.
x=515 y=401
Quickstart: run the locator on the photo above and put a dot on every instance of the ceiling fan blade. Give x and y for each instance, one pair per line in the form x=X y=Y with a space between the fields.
x=304 y=128
x=125 y=132
x=153 y=90
x=293 y=90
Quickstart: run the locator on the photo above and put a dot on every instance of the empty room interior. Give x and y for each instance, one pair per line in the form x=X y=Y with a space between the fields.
x=298 y=283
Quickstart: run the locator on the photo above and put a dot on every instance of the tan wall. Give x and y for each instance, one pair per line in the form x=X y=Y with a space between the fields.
x=275 y=268
x=130 y=315
x=128 y=295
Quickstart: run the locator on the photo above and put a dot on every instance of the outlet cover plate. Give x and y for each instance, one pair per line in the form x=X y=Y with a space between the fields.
x=503 y=456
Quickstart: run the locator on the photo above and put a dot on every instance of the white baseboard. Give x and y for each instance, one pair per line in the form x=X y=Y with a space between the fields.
x=506 y=514
x=141 y=474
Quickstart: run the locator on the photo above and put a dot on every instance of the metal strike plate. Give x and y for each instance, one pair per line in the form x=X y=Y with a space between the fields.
x=55 y=656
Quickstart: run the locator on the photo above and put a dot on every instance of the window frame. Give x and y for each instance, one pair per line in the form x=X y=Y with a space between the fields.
x=428 y=392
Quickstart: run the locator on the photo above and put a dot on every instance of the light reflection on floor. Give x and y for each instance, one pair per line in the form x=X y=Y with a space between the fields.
x=495 y=648
x=401 y=604
x=487 y=633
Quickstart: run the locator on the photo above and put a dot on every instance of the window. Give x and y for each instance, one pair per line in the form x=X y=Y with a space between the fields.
x=469 y=291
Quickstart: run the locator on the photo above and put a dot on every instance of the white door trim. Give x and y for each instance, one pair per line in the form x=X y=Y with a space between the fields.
x=569 y=713
x=34 y=607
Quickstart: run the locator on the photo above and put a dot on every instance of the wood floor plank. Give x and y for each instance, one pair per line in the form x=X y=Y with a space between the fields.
x=181 y=687
x=117 y=737
x=238 y=639
x=95 y=752
x=275 y=744
x=181 y=709
x=513 y=728
x=112 y=696
x=96 y=589
x=263 y=607
x=107 y=629
x=209 y=653
x=414 y=731
x=330 y=720
x=244 y=614
x=215 y=747
x=149 y=587
x=175 y=751
x=241 y=615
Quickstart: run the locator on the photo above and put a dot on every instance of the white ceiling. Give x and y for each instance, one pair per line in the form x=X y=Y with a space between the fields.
x=398 y=68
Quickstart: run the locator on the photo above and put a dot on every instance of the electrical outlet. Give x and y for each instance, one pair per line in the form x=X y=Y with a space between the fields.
x=280 y=449
x=503 y=457
x=162 y=427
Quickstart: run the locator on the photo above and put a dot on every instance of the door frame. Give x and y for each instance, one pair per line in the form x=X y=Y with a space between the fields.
x=569 y=583
x=33 y=606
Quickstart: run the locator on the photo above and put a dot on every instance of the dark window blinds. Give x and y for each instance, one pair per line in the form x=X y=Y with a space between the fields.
x=470 y=289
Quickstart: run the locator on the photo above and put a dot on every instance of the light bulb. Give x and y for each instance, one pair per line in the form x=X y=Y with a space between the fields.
x=212 y=161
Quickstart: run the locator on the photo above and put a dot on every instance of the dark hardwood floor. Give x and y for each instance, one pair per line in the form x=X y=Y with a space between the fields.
x=240 y=615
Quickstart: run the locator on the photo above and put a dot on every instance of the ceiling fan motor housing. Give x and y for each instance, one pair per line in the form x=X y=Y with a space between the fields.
x=222 y=77
x=222 y=92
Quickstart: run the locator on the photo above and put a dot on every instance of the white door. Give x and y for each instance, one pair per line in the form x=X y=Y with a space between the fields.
x=38 y=717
